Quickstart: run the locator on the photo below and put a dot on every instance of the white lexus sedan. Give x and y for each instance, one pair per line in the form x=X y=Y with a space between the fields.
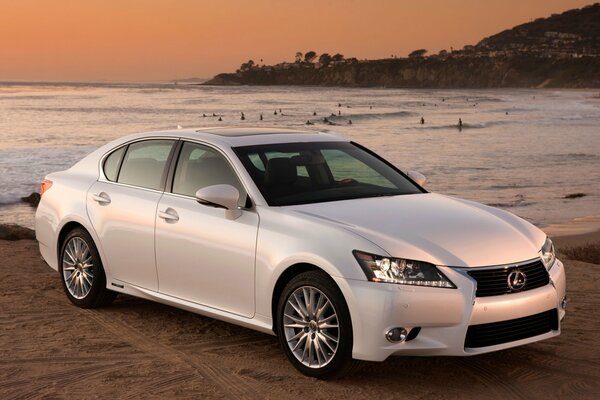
x=304 y=235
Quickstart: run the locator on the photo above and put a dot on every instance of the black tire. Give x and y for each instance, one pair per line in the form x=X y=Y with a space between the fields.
x=340 y=362
x=97 y=295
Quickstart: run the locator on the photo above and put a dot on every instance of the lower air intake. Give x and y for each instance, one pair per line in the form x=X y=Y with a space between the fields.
x=508 y=331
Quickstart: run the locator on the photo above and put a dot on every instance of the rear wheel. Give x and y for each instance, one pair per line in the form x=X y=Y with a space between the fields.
x=314 y=327
x=81 y=271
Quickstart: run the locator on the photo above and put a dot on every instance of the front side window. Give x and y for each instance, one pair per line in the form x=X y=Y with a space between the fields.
x=144 y=164
x=200 y=166
x=301 y=173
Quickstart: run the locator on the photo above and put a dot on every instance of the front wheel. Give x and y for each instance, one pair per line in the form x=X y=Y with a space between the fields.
x=81 y=271
x=314 y=326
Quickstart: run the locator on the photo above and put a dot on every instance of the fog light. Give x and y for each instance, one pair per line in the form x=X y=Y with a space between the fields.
x=564 y=302
x=396 y=335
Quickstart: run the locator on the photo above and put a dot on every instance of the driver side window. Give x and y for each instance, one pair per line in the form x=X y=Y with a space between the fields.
x=200 y=166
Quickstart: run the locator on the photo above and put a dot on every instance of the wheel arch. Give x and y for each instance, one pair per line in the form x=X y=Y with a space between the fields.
x=74 y=223
x=64 y=231
x=287 y=275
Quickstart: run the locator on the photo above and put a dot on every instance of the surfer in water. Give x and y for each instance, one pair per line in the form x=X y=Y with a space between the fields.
x=460 y=124
x=422 y=121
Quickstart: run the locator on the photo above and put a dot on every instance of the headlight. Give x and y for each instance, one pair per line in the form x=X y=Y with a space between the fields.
x=401 y=271
x=547 y=254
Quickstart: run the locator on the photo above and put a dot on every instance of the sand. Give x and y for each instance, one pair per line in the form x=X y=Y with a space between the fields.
x=139 y=349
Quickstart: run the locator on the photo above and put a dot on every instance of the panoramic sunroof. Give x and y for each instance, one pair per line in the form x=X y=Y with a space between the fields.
x=251 y=131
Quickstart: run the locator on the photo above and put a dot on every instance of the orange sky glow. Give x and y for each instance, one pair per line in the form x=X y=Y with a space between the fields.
x=151 y=40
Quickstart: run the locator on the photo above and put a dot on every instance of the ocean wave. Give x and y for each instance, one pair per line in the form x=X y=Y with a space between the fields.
x=9 y=199
x=573 y=157
x=519 y=201
x=370 y=116
x=101 y=110
x=573 y=117
x=465 y=125
x=514 y=110
x=512 y=186
x=511 y=204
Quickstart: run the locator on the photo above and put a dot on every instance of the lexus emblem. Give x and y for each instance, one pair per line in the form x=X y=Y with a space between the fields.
x=516 y=280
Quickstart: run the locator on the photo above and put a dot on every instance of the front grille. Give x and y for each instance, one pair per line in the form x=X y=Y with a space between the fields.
x=494 y=281
x=508 y=331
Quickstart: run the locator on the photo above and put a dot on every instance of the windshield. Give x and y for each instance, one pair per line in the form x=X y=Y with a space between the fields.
x=301 y=173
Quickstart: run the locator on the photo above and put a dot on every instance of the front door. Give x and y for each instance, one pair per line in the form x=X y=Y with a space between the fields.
x=201 y=256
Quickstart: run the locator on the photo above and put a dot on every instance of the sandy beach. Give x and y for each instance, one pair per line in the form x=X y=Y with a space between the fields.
x=139 y=349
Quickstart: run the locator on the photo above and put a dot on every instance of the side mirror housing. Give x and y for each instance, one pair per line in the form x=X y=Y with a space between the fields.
x=418 y=177
x=221 y=196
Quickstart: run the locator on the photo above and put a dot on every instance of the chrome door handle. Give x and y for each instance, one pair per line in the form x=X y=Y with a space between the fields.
x=169 y=215
x=101 y=198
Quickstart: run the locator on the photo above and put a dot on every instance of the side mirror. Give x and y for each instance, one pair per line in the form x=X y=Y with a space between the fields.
x=417 y=177
x=221 y=196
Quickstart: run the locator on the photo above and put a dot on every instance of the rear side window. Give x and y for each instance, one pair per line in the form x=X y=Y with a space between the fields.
x=111 y=164
x=144 y=163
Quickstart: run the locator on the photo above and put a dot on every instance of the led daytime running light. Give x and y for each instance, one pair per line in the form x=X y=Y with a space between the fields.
x=401 y=271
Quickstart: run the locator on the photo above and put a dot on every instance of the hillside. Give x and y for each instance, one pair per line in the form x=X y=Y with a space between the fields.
x=574 y=32
x=562 y=50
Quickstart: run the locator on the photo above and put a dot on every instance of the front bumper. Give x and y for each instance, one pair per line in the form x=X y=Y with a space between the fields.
x=444 y=315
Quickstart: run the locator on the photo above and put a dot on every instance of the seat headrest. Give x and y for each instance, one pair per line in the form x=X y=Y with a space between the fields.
x=280 y=172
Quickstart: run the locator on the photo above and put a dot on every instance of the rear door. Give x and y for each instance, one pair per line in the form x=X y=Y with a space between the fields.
x=122 y=208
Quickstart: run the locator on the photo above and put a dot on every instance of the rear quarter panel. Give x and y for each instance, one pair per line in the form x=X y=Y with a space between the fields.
x=63 y=203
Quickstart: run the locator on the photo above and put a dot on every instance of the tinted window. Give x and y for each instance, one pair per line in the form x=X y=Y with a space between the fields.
x=111 y=164
x=144 y=163
x=200 y=166
x=300 y=173
x=345 y=167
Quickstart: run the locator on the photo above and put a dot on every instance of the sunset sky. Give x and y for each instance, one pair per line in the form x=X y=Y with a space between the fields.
x=148 y=40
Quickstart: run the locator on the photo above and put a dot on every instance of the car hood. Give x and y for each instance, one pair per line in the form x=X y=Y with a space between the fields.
x=434 y=228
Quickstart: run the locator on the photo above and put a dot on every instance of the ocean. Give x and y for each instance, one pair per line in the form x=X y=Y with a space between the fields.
x=521 y=150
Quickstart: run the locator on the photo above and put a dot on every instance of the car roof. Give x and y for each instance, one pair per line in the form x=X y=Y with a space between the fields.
x=238 y=136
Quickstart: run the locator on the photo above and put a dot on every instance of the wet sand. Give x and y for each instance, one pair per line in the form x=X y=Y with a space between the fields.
x=139 y=349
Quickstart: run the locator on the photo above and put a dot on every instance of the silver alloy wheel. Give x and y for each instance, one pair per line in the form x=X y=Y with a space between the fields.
x=77 y=265
x=311 y=327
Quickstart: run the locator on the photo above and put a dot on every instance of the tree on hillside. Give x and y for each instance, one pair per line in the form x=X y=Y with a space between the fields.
x=309 y=56
x=417 y=53
x=298 y=56
x=337 y=57
x=325 y=59
x=247 y=65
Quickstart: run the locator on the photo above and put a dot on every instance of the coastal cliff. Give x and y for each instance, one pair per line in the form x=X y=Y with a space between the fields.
x=464 y=72
x=561 y=51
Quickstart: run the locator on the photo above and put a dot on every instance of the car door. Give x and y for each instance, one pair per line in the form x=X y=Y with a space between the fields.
x=122 y=205
x=202 y=256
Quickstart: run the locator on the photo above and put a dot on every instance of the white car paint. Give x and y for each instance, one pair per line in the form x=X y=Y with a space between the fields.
x=228 y=268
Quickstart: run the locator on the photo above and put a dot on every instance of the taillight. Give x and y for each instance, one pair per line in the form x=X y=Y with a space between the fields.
x=46 y=184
